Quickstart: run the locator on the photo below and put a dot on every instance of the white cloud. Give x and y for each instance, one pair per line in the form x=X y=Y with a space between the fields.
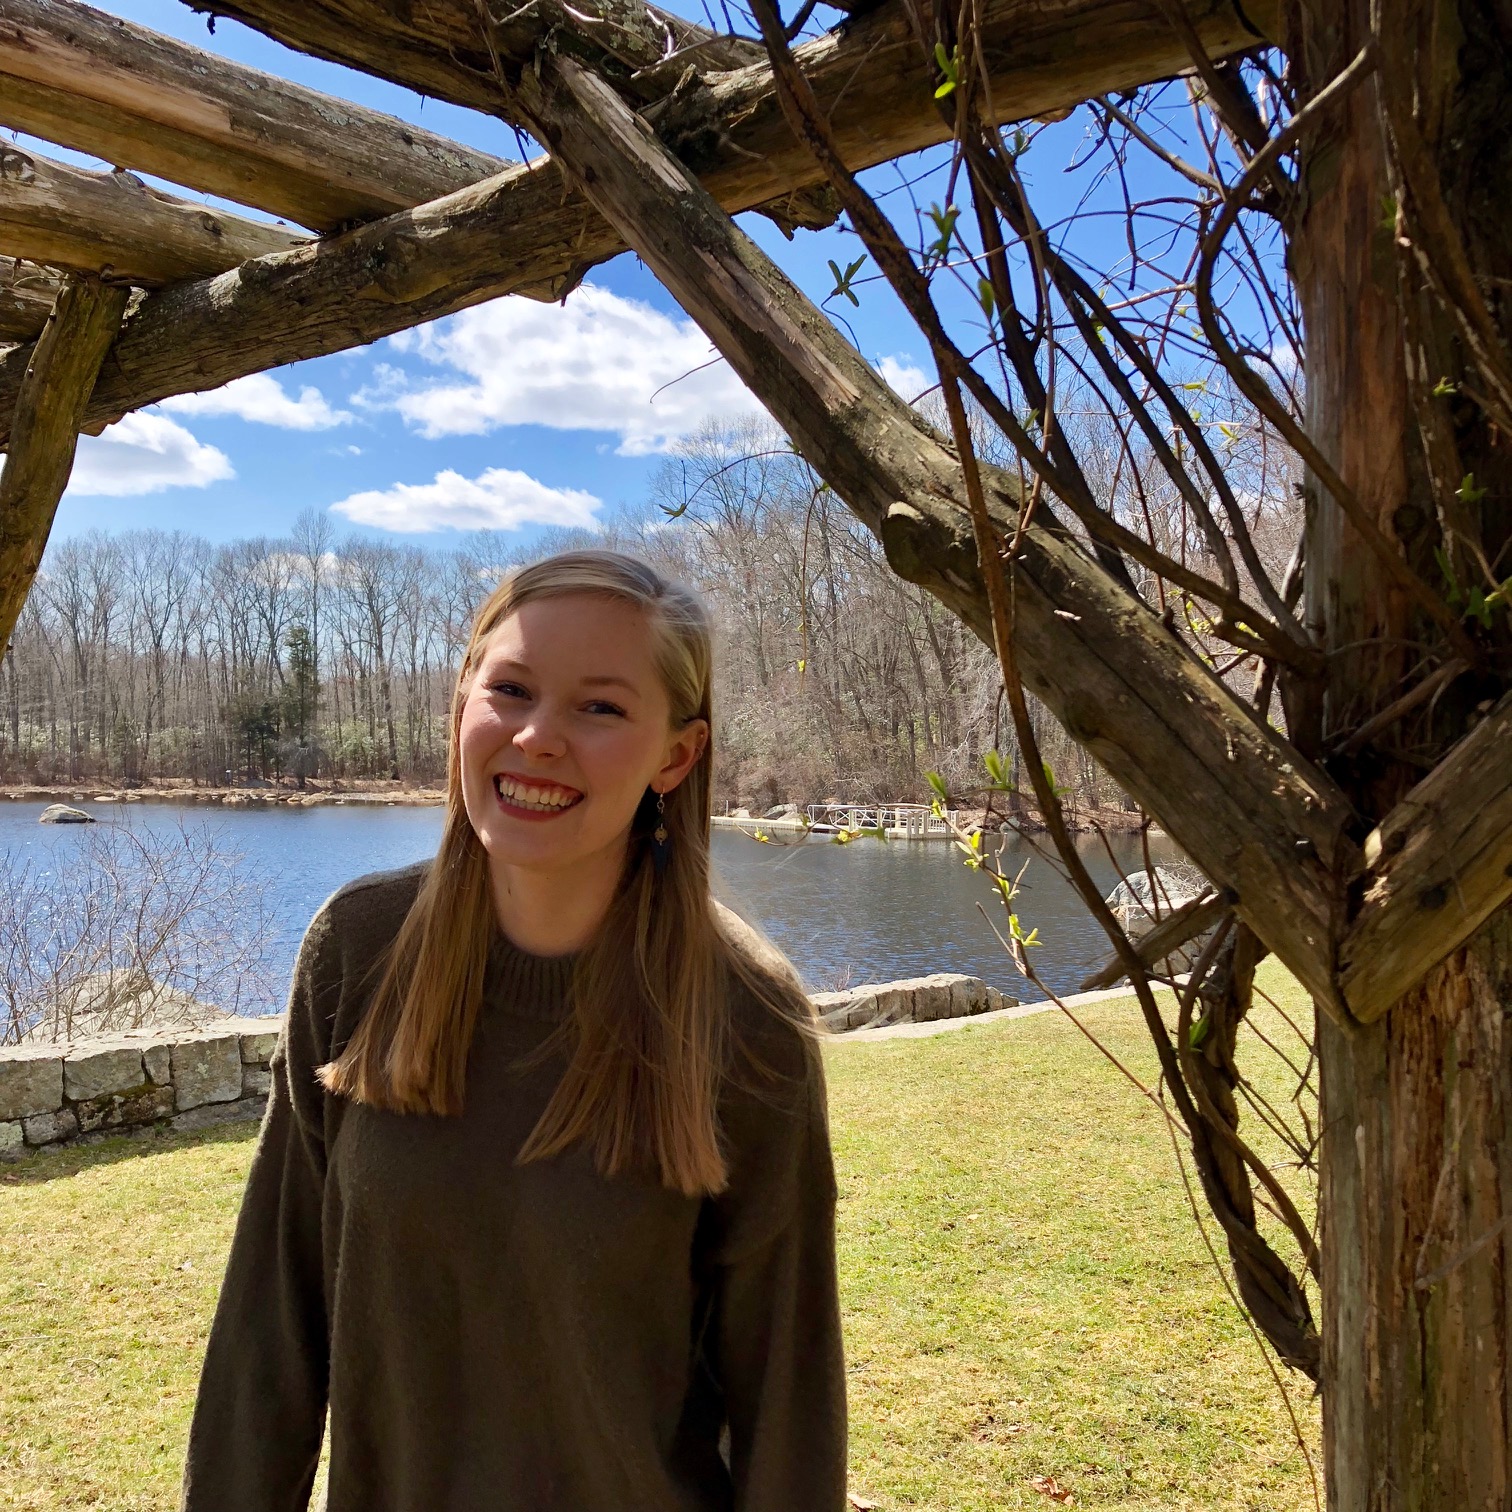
x=499 y=499
x=262 y=399
x=599 y=362
x=905 y=378
x=143 y=454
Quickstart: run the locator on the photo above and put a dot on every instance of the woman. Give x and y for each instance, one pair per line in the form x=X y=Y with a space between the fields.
x=542 y=1207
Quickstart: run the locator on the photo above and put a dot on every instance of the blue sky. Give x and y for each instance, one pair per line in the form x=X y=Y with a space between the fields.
x=512 y=415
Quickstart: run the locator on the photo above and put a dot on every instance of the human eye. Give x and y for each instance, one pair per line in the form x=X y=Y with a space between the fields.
x=508 y=689
x=603 y=706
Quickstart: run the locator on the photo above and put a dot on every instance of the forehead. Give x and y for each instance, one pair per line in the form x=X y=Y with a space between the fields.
x=576 y=634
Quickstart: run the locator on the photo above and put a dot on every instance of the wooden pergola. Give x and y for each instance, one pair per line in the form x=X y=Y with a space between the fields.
x=389 y=225
x=657 y=131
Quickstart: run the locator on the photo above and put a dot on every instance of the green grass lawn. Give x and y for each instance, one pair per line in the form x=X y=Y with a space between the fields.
x=1027 y=1297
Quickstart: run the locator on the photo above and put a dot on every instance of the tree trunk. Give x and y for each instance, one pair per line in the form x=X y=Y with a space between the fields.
x=1416 y=1161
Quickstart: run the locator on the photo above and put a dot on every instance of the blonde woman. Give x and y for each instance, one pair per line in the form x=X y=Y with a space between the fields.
x=542 y=1208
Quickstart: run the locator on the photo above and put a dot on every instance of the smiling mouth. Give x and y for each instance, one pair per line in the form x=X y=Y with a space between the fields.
x=535 y=797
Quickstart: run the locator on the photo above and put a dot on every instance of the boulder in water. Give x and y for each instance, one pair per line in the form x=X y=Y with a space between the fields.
x=61 y=813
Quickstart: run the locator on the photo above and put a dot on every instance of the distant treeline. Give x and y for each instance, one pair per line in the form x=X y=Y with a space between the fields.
x=145 y=655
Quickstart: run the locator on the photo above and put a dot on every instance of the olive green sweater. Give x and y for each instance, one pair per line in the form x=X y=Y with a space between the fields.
x=490 y=1337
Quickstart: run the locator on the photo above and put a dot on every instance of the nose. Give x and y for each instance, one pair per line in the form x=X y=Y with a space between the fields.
x=540 y=737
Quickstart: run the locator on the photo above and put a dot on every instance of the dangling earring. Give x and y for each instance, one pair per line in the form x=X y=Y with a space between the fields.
x=661 y=841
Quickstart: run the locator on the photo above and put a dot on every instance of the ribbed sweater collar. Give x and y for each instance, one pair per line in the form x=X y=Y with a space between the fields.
x=529 y=985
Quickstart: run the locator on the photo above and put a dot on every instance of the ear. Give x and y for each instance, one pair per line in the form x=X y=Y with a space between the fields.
x=686 y=747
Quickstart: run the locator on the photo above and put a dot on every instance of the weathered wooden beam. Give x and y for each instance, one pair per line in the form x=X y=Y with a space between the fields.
x=441 y=48
x=1250 y=811
x=526 y=229
x=27 y=295
x=72 y=74
x=114 y=224
x=1437 y=867
x=49 y=409
x=1160 y=939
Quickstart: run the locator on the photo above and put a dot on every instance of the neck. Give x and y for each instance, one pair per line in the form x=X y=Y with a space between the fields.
x=556 y=912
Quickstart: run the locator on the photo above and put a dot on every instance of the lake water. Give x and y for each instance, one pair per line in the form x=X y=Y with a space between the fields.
x=869 y=911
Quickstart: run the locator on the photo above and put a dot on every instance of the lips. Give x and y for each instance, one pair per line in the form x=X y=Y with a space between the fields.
x=535 y=796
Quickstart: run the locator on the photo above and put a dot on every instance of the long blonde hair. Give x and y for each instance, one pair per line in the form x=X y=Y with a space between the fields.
x=648 y=1025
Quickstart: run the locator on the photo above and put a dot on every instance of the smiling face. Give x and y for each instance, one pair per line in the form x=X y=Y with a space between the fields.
x=565 y=724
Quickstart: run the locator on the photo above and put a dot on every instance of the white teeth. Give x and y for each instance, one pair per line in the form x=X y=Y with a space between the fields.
x=525 y=795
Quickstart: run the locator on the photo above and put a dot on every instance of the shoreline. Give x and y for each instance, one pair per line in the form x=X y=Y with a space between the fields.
x=307 y=797
x=313 y=795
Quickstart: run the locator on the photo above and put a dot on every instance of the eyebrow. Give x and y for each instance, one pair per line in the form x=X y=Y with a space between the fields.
x=606 y=680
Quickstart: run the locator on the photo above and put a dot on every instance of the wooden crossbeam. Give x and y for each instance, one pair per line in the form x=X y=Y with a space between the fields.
x=1438 y=866
x=74 y=75
x=860 y=73
x=1247 y=808
x=112 y=223
x=45 y=434
x=527 y=229
x=440 y=48
x=27 y=295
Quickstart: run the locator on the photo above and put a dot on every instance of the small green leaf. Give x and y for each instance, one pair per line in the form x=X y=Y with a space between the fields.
x=1443 y=389
x=1468 y=493
x=937 y=782
x=950 y=66
x=985 y=297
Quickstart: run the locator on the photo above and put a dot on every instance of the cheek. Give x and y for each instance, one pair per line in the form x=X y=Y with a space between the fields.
x=479 y=733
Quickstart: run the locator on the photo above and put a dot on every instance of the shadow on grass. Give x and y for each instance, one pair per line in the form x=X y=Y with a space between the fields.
x=69 y=1160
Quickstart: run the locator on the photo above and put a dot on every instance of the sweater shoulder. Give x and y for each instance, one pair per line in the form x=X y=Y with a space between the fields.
x=342 y=954
x=352 y=928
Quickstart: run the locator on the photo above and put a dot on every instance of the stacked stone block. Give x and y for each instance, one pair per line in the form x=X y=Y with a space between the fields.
x=133 y=1080
x=915 y=1000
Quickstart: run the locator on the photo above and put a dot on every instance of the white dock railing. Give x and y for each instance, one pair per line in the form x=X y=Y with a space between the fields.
x=913 y=820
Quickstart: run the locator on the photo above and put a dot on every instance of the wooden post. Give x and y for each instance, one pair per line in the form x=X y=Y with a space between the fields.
x=1416 y=1159
x=49 y=408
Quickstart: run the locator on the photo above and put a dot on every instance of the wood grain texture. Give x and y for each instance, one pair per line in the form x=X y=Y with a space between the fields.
x=93 y=82
x=527 y=230
x=51 y=404
x=115 y=225
x=1415 y=1165
x=27 y=295
x=1440 y=864
x=1250 y=811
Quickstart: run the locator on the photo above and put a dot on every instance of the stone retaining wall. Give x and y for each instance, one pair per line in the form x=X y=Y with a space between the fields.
x=136 y=1079
x=915 y=1000
x=142 y=1079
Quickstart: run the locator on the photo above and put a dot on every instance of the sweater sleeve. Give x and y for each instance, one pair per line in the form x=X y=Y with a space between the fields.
x=254 y=1442
x=780 y=1360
